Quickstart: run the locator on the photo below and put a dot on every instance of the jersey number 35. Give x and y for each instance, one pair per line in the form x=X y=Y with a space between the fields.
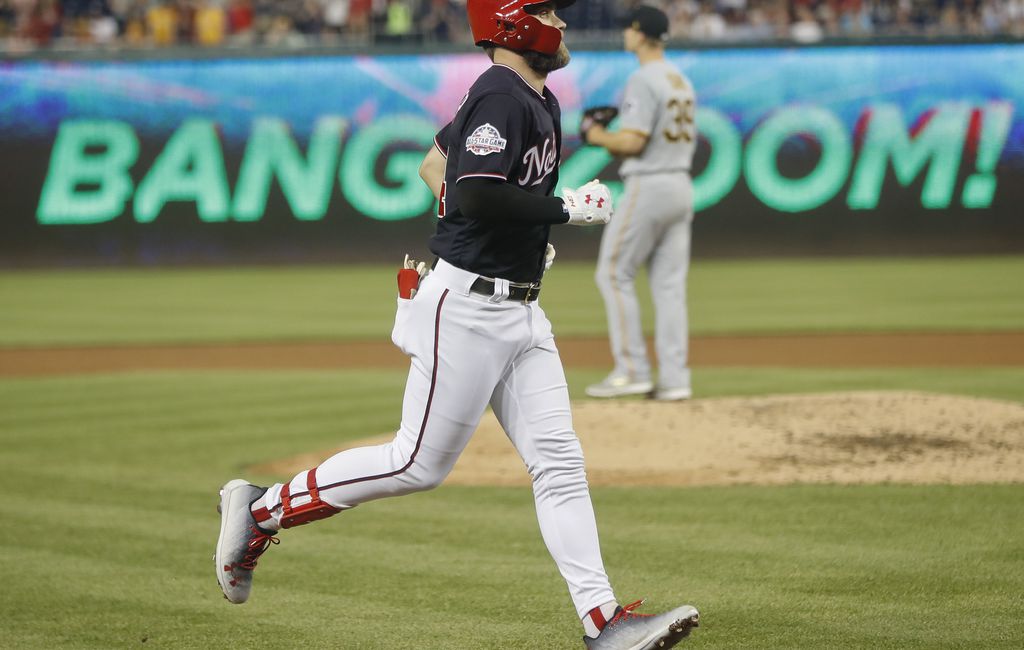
x=681 y=113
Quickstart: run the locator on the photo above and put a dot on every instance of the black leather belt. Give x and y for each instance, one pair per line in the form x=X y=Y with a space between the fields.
x=524 y=292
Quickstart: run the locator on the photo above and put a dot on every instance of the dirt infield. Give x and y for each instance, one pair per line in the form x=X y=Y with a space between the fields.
x=812 y=350
x=853 y=437
x=894 y=437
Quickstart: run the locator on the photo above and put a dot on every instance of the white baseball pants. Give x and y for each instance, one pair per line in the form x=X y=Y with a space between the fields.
x=469 y=351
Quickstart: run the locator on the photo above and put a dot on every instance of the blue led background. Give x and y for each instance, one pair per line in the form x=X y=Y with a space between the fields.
x=745 y=84
x=741 y=88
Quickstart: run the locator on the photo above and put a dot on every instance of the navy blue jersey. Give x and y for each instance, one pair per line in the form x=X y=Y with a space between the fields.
x=507 y=131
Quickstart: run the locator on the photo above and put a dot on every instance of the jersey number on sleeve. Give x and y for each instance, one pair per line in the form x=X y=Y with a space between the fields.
x=681 y=111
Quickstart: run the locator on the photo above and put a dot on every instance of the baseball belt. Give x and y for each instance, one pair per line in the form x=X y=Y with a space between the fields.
x=516 y=291
x=524 y=291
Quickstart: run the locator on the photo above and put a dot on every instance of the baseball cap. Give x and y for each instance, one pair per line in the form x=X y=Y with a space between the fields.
x=650 y=21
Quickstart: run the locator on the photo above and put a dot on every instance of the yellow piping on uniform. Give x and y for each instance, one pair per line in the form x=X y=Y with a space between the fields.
x=611 y=275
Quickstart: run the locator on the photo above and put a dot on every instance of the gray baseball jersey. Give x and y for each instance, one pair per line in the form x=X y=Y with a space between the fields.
x=659 y=102
x=651 y=228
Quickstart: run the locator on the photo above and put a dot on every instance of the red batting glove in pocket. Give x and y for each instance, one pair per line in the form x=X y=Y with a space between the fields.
x=408 y=283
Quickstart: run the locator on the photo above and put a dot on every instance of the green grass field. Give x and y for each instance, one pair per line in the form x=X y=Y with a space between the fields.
x=111 y=480
x=319 y=303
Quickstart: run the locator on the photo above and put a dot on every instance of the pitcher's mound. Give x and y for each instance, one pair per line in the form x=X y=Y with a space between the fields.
x=861 y=437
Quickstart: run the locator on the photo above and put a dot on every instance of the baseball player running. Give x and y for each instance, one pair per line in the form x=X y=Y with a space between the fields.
x=477 y=336
x=657 y=137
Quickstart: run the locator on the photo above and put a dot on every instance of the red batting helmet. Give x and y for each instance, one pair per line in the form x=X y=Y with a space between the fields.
x=510 y=24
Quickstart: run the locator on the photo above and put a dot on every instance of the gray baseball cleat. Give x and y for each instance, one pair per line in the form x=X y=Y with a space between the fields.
x=241 y=541
x=672 y=394
x=619 y=386
x=630 y=631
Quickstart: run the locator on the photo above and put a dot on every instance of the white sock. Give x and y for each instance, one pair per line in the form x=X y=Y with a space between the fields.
x=597 y=618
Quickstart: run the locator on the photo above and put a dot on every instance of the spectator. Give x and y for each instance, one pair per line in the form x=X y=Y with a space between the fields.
x=827 y=15
x=992 y=17
x=971 y=17
x=708 y=25
x=186 y=21
x=399 y=19
x=134 y=33
x=30 y=24
x=281 y=32
x=680 y=17
x=758 y=24
x=805 y=29
x=103 y=28
x=359 y=16
x=1015 y=18
x=7 y=16
x=440 y=21
x=335 y=15
x=210 y=23
x=308 y=17
x=585 y=18
x=854 y=18
x=162 y=23
x=38 y=22
x=240 y=19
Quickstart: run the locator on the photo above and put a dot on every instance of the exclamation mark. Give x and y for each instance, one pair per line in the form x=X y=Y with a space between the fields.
x=995 y=126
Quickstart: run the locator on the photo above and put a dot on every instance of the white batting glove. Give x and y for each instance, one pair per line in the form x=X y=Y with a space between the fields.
x=549 y=257
x=419 y=267
x=589 y=205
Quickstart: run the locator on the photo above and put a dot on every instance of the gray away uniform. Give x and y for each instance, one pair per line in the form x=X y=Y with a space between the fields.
x=652 y=226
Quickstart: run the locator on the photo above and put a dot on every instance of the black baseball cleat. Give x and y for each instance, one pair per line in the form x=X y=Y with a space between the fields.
x=628 y=630
x=241 y=541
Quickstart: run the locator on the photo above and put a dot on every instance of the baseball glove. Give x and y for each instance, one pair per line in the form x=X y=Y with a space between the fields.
x=602 y=115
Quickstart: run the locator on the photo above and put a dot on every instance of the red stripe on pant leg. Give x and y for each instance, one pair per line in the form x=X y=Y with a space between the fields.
x=423 y=423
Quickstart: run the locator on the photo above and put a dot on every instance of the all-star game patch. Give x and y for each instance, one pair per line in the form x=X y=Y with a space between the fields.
x=485 y=140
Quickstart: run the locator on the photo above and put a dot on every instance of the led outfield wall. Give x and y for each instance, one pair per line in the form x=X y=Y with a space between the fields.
x=891 y=149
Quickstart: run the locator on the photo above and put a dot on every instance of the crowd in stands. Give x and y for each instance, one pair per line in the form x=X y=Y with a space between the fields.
x=29 y=25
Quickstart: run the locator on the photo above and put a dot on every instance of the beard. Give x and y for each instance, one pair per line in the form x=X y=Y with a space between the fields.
x=545 y=63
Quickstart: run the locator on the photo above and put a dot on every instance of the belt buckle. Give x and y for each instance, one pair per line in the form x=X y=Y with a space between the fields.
x=530 y=293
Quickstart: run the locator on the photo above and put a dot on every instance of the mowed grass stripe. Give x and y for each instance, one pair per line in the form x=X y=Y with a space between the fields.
x=138 y=306
x=858 y=294
x=232 y=401
x=110 y=524
x=133 y=305
x=994 y=383
x=873 y=559
x=453 y=554
x=340 y=405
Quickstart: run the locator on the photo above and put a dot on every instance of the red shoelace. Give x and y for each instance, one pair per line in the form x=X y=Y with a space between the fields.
x=627 y=612
x=258 y=544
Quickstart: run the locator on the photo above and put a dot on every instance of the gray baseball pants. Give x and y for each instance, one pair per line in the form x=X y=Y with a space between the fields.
x=650 y=227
